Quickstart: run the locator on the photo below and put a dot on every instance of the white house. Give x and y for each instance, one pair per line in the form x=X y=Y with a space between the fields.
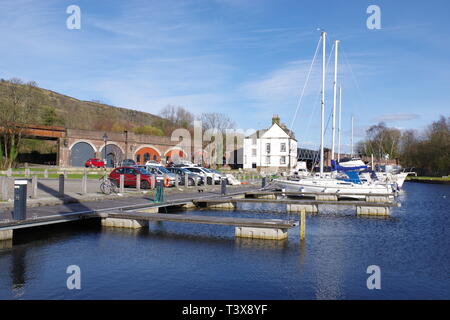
x=273 y=149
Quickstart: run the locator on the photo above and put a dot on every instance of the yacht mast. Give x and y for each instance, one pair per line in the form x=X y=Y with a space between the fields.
x=322 y=111
x=334 y=99
x=351 y=140
x=339 y=124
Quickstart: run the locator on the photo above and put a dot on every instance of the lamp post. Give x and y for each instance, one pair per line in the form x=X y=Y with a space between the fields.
x=105 y=139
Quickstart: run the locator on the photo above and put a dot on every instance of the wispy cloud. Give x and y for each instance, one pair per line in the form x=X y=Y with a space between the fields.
x=394 y=117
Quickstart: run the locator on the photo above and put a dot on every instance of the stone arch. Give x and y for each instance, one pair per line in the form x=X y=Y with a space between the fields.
x=174 y=154
x=147 y=152
x=114 y=154
x=80 y=152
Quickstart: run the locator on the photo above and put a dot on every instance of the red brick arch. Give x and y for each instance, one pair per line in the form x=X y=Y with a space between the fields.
x=145 y=154
x=173 y=155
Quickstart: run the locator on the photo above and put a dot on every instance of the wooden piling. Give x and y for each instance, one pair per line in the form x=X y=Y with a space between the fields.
x=302 y=225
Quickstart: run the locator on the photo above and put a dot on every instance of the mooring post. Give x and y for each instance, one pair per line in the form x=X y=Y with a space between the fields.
x=138 y=182
x=20 y=200
x=27 y=172
x=263 y=182
x=122 y=184
x=176 y=180
x=46 y=173
x=223 y=189
x=302 y=224
x=9 y=172
x=61 y=185
x=186 y=180
x=84 y=183
x=34 y=184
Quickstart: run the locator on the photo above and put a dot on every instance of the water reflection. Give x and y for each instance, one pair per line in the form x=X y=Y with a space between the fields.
x=6 y=244
x=260 y=244
x=18 y=271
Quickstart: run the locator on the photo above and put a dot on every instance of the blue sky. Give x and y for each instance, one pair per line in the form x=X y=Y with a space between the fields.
x=248 y=59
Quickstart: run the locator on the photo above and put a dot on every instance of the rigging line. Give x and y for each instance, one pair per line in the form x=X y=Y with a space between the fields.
x=306 y=83
x=344 y=55
x=318 y=94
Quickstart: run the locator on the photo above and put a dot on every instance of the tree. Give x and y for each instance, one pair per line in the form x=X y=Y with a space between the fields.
x=148 y=130
x=178 y=116
x=17 y=101
x=215 y=125
x=380 y=141
x=49 y=116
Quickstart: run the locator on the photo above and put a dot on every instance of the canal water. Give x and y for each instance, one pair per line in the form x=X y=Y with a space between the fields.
x=182 y=261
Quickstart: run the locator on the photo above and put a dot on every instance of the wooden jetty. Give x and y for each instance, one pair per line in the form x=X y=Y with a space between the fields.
x=312 y=206
x=273 y=229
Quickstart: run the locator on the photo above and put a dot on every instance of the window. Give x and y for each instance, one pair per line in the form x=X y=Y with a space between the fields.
x=267 y=159
x=283 y=160
x=267 y=148
x=283 y=147
x=253 y=141
x=138 y=158
x=254 y=152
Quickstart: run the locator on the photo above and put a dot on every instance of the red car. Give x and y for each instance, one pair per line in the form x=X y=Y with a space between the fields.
x=94 y=163
x=130 y=174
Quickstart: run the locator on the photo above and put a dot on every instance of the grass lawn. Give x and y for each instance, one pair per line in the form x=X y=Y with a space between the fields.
x=429 y=178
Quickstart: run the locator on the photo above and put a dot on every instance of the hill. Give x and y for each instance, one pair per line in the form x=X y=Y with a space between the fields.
x=52 y=108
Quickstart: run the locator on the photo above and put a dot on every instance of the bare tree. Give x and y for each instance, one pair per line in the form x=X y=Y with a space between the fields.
x=178 y=115
x=17 y=101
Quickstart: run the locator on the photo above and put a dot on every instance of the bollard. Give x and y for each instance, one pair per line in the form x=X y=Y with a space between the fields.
x=176 y=180
x=9 y=172
x=223 y=189
x=34 y=183
x=27 y=173
x=122 y=184
x=263 y=182
x=186 y=180
x=20 y=200
x=46 y=173
x=61 y=185
x=84 y=183
x=159 y=193
x=138 y=182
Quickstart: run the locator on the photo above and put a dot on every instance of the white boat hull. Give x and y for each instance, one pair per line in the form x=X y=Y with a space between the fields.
x=347 y=189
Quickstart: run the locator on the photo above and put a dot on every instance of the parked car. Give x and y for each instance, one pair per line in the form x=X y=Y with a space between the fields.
x=161 y=172
x=182 y=172
x=127 y=163
x=209 y=176
x=94 y=163
x=217 y=176
x=130 y=175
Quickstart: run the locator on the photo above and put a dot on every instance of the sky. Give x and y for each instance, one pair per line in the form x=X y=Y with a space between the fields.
x=248 y=59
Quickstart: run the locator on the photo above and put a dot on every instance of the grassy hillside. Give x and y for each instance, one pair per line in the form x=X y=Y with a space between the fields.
x=53 y=108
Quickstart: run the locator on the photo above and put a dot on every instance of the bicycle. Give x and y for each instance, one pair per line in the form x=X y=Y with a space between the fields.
x=108 y=186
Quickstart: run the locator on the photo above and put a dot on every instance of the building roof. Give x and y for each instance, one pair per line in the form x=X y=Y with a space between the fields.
x=259 y=133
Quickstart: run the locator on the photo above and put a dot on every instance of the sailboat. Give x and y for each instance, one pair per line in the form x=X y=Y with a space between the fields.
x=351 y=185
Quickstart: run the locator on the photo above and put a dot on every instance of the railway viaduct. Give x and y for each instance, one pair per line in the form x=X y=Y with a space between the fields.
x=76 y=146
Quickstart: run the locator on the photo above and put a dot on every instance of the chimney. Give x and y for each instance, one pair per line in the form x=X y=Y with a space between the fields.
x=275 y=119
